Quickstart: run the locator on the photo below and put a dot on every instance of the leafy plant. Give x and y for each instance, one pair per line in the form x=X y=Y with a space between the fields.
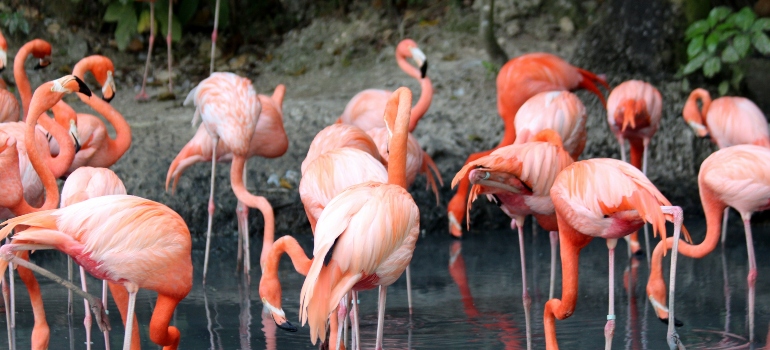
x=14 y=21
x=723 y=40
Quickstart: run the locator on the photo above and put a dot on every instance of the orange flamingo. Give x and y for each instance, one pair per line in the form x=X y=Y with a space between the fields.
x=39 y=49
x=230 y=110
x=369 y=232
x=9 y=107
x=85 y=183
x=517 y=81
x=267 y=124
x=634 y=109
x=731 y=177
x=19 y=194
x=365 y=108
x=604 y=198
x=130 y=241
x=142 y=95
x=518 y=178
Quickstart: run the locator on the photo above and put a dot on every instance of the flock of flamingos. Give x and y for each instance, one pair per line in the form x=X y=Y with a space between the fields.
x=354 y=190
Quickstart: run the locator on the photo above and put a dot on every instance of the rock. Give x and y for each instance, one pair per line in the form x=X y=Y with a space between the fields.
x=513 y=28
x=53 y=28
x=566 y=25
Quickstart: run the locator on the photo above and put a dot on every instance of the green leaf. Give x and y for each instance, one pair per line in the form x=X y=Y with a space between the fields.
x=711 y=67
x=737 y=78
x=144 y=22
x=724 y=86
x=116 y=11
x=712 y=41
x=725 y=26
x=695 y=46
x=696 y=63
x=186 y=10
x=697 y=28
x=729 y=55
x=761 y=25
x=742 y=44
x=161 y=13
x=126 y=28
x=761 y=42
x=744 y=18
x=719 y=13
x=724 y=36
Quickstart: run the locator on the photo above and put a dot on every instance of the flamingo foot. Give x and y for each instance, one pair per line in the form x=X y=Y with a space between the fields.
x=142 y=96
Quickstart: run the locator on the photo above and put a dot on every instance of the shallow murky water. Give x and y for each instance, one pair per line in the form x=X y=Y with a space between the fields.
x=467 y=294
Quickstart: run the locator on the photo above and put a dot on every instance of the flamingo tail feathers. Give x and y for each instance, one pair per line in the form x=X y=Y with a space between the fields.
x=429 y=168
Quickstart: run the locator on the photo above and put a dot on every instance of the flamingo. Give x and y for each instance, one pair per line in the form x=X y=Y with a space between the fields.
x=729 y=121
x=560 y=111
x=634 y=109
x=518 y=177
x=9 y=107
x=230 y=110
x=85 y=183
x=142 y=95
x=604 y=198
x=338 y=136
x=517 y=81
x=730 y=177
x=365 y=108
x=369 y=232
x=39 y=49
x=269 y=126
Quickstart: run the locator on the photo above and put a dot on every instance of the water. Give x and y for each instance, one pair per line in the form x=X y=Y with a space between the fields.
x=474 y=302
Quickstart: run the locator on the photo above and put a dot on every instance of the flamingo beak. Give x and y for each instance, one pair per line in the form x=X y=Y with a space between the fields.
x=44 y=62
x=279 y=317
x=698 y=128
x=108 y=89
x=422 y=61
x=3 y=60
x=74 y=133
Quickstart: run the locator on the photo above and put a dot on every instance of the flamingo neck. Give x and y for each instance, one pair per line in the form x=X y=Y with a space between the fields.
x=22 y=80
x=37 y=107
x=397 y=114
x=290 y=246
x=252 y=201
x=691 y=111
x=119 y=145
x=419 y=109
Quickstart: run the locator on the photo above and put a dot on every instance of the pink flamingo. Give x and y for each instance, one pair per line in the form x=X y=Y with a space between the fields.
x=338 y=136
x=560 y=111
x=378 y=218
x=731 y=177
x=230 y=110
x=518 y=178
x=729 y=121
x=634 y=109
x=365 y=108
x=519 y=80
x=269 y=126
x=9 y=107
x=610 y=199
x=83 y=184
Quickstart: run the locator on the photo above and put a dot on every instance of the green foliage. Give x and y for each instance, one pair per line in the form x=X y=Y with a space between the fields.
x=14 y=21
x=721 y=41
x=491 y=68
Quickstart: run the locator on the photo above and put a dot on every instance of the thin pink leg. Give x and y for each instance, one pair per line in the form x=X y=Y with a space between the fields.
x=609 y=328
x=142 y=95
x=671 y=336
x=752 y=277
x=168 y=43
x=724 y=224
x=244 y=221
x=622 y=143
x=214 y=38
x=409 y=288
x=87 y=320
x=381 y=316
x=525 y=299
x=211 y=206
x=554 y=235
x=355 y=340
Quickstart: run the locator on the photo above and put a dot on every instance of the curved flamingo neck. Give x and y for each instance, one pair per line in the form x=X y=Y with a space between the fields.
x=38 y=105
x=252 y=201
x=20 y=74
x=290 y=246
x=397 y=114
x=119 y=145
x=691 y=110
x=419 y=109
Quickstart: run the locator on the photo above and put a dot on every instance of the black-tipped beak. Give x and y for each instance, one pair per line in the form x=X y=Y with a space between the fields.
x=677 y=323
x=77 y=144
x=424 y=69
x=42 y=63
x=287 y=326
x=83 y=88
x=108 y=99
x=2 y=69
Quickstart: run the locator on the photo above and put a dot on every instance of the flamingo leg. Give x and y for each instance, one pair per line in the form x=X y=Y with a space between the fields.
x=6 y=296
x=87 y=318
x=211 y=207
x=342 y=310
x=622 y=143
x=104 y=304
x=208 y=318
x=214 y=37
x=381 y=316
x=646 y=143
x=724 y=224
x=355 y=341
x=142 y=95
x=244 y=222
x=168 y=44
x=409 y=288
x=12 y=291
x=752 y=277
x=525 y=299
x=726 y=290
x=69 y=292
x=345 y=322
x=672 y=337
x=239 y=208
x=129 y=319
x=554 y=236
x=609 y=328
x=647 y=244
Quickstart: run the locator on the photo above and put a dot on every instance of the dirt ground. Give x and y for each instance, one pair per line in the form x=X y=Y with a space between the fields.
x=323 y=66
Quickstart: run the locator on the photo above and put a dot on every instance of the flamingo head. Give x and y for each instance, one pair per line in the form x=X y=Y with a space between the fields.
x=69 y=84
x=270 y=291
x=108 y=87
x=455 y=213
x=409 y=48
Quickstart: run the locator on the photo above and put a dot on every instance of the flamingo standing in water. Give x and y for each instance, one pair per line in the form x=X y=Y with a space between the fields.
x=634 y=109
x=83 y=184
x=735 y=177
x=560 y=111
x=230 y=110
x=368 y=231
x=729 y=121
x=610 y=199
x=518 y=178
x=269 y=140
x=9 y=107
x=518 y=80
